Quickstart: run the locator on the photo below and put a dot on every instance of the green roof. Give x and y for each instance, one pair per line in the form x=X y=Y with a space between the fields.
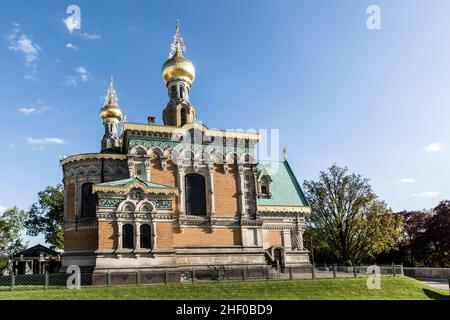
x=125 y=182
x=284 y=187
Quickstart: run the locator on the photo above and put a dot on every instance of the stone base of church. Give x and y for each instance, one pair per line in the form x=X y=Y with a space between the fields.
x=178 y=258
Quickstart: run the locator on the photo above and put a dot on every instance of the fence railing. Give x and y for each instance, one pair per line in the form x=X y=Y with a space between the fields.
x=217 y=274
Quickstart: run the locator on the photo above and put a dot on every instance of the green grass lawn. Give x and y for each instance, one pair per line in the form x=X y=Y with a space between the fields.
x=350 y=288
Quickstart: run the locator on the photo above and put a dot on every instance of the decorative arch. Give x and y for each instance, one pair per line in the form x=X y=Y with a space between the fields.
x=138 y=150
x=93 y=171
x=81 y=172
x=145 y=206
x=232 y=157
x=126 y=206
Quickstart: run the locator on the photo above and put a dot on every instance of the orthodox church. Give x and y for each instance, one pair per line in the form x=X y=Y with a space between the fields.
x=179 y=194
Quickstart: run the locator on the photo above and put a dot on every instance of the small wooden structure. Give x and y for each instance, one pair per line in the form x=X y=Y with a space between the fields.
x=36 y=260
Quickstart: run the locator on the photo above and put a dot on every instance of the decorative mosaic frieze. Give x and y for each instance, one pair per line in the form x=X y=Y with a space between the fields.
x=163 y=204
x=164 y=145
x=109 y=202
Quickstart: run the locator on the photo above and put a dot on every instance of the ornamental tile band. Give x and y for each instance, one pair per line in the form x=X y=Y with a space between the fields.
x=89 y=156
x=163 y=204
x=136 y=184
x=182 y=130
x=108 y=202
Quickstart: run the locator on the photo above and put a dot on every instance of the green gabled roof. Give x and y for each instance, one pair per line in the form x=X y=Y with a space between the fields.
x=284 y=187
x=126 y=182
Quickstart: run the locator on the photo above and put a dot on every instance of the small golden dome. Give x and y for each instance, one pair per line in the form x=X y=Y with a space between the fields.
x=111 y=108
x=111 y=112
x=178 y=67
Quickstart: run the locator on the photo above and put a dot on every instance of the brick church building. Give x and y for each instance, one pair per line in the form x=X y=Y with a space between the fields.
x=179 y=195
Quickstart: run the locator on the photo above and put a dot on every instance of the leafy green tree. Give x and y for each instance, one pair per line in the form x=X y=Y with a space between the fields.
x=434 y=244
x=47 y=216
x=348 y=221
x=12 y=223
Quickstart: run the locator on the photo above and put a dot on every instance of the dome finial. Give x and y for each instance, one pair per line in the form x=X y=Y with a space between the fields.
x=111 y=96
x=177 y=47
x=110 y=107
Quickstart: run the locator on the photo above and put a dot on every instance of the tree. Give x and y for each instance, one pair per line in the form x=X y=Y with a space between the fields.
x=11 y=225
x=434 y=243
x=414 y=226
x=47 y=216
x=347 y=218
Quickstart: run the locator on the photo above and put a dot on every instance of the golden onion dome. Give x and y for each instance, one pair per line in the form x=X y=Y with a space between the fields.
x=178 y=67
x=111 y=108
x=108 y=112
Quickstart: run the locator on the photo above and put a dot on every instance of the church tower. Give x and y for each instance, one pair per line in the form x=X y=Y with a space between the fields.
x=111 y=116
x=178 y=74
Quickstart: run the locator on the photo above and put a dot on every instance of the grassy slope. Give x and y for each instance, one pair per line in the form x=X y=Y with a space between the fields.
x=391 y=288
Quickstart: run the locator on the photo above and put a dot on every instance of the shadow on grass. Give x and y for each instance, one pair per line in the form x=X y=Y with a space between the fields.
x=435 y=296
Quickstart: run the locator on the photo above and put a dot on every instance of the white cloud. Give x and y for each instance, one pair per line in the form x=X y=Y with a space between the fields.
x=426 y=194
x=40 y=142
x=2 y=209
x=71 y=46
x=41 y=107
x=407 y=180
x=22 y=44
x=89 y=36
x=27 y=111
x=434 y=147
x=70 y=81
x=83 y=73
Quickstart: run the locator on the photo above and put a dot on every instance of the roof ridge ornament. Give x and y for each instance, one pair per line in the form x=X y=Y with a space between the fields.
x=284 y=153
x=177 y=47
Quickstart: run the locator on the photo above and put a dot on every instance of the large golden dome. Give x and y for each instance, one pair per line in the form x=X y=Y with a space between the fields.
x=178 y=67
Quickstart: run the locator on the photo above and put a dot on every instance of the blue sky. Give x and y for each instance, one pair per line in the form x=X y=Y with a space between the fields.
x=376 y=101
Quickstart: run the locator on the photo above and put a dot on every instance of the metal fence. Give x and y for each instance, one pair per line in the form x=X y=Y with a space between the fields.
x=217 y=274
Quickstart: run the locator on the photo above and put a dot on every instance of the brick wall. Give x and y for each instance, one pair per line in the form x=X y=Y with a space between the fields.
x=167 y=177
x=225 y=191
x=106 y=235
x=70 y=193
x=164 y=235
x=83 y=239
x=200 y=237
x=275 y=238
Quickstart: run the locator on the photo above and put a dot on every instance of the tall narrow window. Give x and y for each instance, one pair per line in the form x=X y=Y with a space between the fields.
x=127 y=236
x=181 y=92
x=88 y=202
x=183 y=117
x=146 y=239
x=173 y=92
x=195 y=195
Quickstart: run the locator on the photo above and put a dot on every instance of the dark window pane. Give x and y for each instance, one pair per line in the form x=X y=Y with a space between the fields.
x=145 y=236
x=88 y=203
x=127 y=236
x=263 y=189
x=195 y=195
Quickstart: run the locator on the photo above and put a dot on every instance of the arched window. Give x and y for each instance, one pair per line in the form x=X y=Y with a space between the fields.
x=173 y=92
x=88 y=203
x=195 y=195
x=183 y=117
x=127 y=236
x=264 y=190
x=146 y=236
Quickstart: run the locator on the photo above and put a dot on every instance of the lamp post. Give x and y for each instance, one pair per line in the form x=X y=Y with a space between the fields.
x=312 y=251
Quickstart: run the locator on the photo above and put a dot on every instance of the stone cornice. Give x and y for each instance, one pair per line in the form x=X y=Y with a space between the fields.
x=91 y=156
x=187 y=127
x=135 y=184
